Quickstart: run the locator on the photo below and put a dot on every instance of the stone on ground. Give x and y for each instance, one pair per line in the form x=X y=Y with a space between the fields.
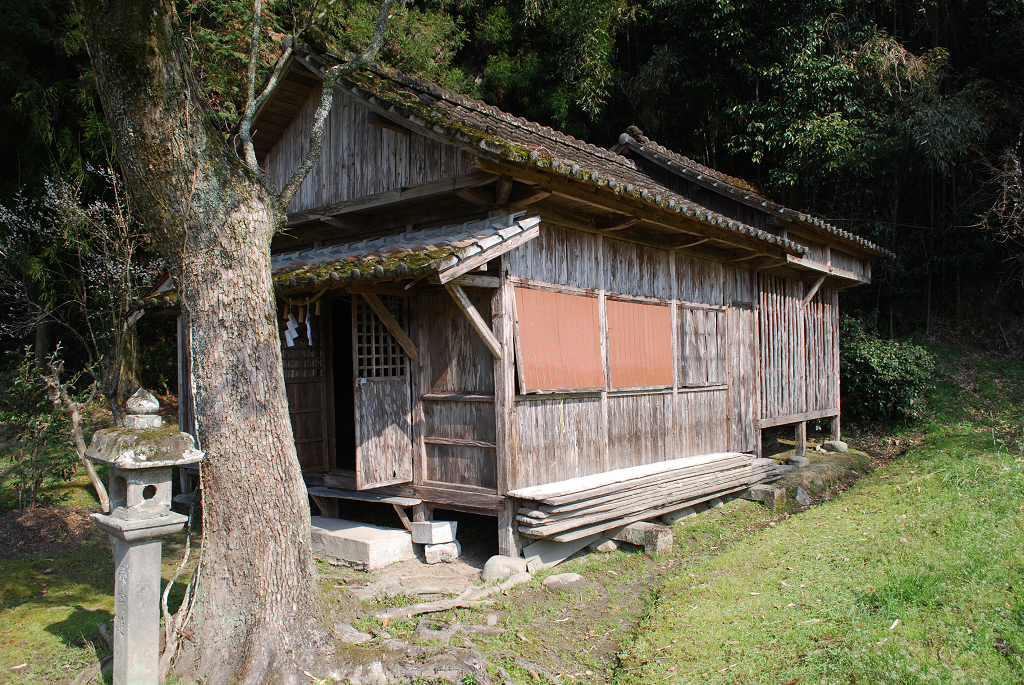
x=360 y=544
x=653 y=537
x=802 y=498
x=716 y=502
x=564 y=581
x=674 y=517
x=433 y=532
x=499 y=567
x=836 y=446
x=773 y=496
x=445 y=553
x=798 y=461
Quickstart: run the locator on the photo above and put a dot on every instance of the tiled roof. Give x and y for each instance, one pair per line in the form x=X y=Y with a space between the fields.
x=738 y=188
x=486 y=129
x=406 y=255
x=447 y=251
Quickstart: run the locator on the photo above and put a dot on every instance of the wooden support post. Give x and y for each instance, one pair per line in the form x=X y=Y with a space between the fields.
x=509 y=543
x=328 y=506
x=801 y=439
x=835 y=427
x=392 y=325
x=402 y=516
x=482 y=329
x=422 y=512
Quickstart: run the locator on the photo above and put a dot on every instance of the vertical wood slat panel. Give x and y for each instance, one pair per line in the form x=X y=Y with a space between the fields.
x=358 y=158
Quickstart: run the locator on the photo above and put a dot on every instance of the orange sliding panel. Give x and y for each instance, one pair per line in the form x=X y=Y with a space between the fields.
x=559 y=337
x=639 y=344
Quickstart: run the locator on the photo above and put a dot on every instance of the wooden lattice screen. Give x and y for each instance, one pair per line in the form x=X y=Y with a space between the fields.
x=378 y=354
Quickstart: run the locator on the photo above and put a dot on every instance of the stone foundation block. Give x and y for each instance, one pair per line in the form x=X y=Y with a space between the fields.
x=433 y=532
x=653 y=537
x=444 y=553
x=773 y=497
x=360 y=544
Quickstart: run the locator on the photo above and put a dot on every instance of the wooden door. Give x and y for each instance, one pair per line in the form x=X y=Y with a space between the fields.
x=306 y=382
x=383 y=397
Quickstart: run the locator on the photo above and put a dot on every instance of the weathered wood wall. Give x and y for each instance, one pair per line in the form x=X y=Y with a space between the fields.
x=456 y=386
x=561 y=435
x=358 y=158
x=799 y=348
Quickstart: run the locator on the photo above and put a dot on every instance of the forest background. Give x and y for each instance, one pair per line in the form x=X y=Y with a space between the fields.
x=900 y=120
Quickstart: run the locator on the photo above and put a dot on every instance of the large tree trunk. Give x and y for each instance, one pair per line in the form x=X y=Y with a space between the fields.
x=254 y=608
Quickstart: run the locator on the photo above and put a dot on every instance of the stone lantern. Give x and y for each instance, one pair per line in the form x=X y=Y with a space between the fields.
x=140 y=455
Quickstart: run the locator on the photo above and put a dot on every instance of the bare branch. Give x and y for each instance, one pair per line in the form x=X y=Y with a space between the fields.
x=245 y=127
x=63 y=402
x=316 y=136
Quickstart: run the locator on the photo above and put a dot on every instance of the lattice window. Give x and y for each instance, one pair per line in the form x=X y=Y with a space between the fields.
x=378 y=354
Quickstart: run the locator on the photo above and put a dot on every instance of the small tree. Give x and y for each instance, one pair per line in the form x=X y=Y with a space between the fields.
x=80 y=266
x=37 y=451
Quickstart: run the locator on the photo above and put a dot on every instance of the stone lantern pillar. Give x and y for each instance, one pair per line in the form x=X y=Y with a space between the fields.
x=140 y=455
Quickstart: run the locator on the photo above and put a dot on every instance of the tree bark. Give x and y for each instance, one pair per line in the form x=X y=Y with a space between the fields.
x=254 y=610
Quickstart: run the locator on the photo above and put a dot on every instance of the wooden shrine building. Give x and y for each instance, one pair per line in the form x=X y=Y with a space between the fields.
x=474 y=306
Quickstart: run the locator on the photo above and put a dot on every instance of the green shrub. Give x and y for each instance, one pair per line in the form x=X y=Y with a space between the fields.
x=881 y=379
x=35 y=442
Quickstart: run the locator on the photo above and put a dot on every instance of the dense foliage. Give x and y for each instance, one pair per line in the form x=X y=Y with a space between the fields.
x=898 y=120
x=881 y=379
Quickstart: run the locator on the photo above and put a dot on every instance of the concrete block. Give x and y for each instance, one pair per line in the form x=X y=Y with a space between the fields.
x=360 y=544
x=548 y=553
x=498 y=567
x=835 y=446
x=798 y=461
x=445 y=553
x=774 y=497
x=676 y=516
x=564 y=581
x=653 y=537
x=433 y=532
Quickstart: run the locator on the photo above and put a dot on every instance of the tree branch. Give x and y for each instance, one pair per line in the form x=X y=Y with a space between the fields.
x=245 y=127
x=316 y=136
x=63 y=401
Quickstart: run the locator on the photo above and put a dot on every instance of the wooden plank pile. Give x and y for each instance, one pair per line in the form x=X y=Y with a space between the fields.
x=572 y=509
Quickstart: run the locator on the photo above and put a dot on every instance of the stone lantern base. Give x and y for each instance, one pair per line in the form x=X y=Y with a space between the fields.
x=137 y=551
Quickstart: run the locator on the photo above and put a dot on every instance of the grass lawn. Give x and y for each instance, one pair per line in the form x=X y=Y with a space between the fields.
x=916 y=574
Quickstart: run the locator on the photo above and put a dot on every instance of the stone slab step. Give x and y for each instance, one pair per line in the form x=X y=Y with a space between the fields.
x=363 y=496
x=360 y=544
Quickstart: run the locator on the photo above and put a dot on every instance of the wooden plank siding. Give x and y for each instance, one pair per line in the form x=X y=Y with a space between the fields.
x=458 y=433
x=639 y=416
x=358 y=158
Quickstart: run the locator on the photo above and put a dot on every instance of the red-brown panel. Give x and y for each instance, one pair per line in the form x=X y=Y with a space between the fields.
x=559 y=336
x=639 y=344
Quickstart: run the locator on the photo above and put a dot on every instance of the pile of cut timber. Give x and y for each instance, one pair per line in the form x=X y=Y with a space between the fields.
x=572 y=509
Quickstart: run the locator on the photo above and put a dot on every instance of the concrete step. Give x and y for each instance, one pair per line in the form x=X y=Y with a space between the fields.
x=360 y=544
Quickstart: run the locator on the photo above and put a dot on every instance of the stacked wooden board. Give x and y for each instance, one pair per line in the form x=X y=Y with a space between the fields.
x=573 y=509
